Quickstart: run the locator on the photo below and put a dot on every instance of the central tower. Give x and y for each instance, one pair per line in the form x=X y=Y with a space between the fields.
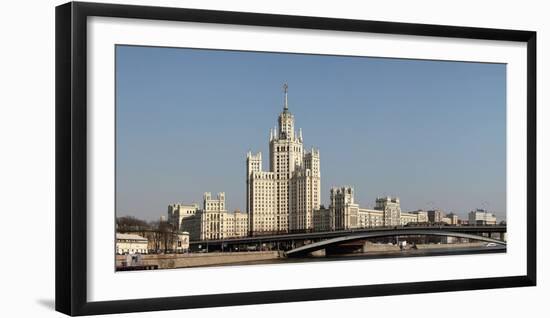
x=283 y=198
x=285 y=156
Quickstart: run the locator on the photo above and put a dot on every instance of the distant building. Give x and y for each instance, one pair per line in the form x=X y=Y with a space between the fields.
x=182 y=242
x=407 y=218
x=178 y=212
x=391 y=208
x=453 y=218
x=213 y=222
x=481 y=217
x=343 y=208
x=446 y=220
x=435 y=216
x=370 y=218
x=130 y=244
x=322 y=219
x=343 y=213
x=421 y=216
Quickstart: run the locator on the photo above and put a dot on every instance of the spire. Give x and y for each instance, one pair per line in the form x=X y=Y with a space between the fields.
x=285 y=88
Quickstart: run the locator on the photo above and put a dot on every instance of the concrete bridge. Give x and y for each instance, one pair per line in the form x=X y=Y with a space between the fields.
x=309 y=248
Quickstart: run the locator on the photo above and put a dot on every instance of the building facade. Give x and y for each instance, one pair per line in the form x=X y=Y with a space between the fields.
x=370 y=218
x=130 y=244
x=481 y=217
x=435 y=216
x=391 y=209
x=344 y=210
x=213 y=221
x=283 y=199
x=181 y=244
x=343 y=213
x=178 y=212
x=418 y=216
x=408 y=217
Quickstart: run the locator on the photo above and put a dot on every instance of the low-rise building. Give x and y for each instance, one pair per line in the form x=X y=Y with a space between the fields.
x=343 y=213
x=421 y=216
x=130 y=244
x=481 y=217
x=178 y=212
x=446 y=220
x=435 y=216
x=322 y=219
x=182 y=242
x=370 y=218
x=408 y=217
x=453 y=218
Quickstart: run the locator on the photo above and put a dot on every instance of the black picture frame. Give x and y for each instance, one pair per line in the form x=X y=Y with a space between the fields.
x=71 y=157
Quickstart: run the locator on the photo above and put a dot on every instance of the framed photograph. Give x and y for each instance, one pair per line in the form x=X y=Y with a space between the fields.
x=214 y=158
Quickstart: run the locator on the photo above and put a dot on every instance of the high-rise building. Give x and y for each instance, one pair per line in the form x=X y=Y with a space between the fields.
x=283 y=199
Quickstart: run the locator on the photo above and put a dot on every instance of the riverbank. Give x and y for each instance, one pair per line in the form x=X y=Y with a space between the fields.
x=168 y=261
x=164 y=261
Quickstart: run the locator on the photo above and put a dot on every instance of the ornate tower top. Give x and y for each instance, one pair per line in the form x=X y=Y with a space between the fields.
x=285 y=88
x=286 y=120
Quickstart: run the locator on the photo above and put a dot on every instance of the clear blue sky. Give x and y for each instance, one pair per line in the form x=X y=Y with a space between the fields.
x=431 y=132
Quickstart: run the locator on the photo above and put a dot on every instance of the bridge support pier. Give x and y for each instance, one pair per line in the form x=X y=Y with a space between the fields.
x=318 y=253
x=503 y=236
x=365 y=247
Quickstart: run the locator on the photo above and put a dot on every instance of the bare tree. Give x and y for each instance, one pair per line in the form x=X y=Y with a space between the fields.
x=163 y=235
x=131 y=224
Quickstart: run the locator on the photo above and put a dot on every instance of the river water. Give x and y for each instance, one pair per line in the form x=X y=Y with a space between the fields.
x=380 y=255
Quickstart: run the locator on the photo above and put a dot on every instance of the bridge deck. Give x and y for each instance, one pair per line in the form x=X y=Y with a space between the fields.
x=374 y=234
x=333 y=234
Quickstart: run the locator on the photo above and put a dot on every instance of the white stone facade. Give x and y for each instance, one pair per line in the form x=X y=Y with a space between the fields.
x=343 y=208
x=343 y=213
x=454 y=218
x=436 y=216
x=130 y=244
x=391 y=209
x=178 y=212
x=182 y=243
x=283 y=199
x=213 y=222
x=370 y=218
x=481 y=217
x=407 y=217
